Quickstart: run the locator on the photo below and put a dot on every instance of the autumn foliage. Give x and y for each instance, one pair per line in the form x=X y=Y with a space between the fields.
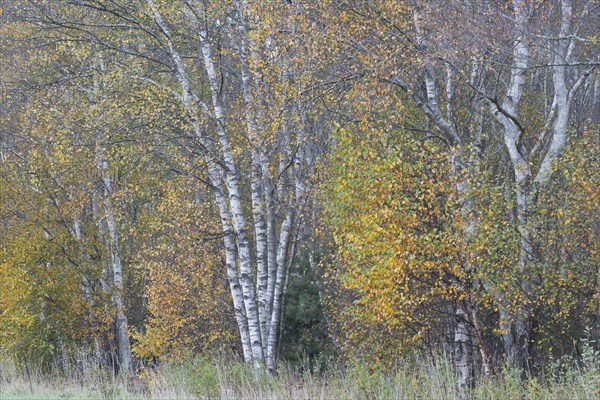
x=405 y=178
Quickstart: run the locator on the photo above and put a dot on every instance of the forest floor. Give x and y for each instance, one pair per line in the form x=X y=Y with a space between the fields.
x=199 y=378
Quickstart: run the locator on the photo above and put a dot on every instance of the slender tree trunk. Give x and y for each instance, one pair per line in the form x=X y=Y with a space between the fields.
x=462 y=351
x=239 y=222
x=219 y=190
x=111 y=235
x=230 y=260
x=259 y=163
x=463 y=344
x=273 y=244
x=515 y=335
x=121 y=324
x=282 y=257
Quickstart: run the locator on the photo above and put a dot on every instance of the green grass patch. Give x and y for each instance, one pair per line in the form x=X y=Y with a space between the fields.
x=205 y=378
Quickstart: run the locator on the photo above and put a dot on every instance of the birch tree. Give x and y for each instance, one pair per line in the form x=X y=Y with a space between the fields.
x=448 y=59
x=203 y=71
x=532 y=167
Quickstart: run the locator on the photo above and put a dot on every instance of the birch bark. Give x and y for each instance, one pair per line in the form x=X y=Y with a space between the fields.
x=256 y=298
x=216 y=176
x=239 y=222
x=517 y=334
x=430 y=104
x=121 y=324
x=113 y=243
x=259 y=164
x=282 y=257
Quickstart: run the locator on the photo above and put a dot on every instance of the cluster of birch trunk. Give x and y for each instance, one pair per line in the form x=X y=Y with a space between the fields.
x=531 y=164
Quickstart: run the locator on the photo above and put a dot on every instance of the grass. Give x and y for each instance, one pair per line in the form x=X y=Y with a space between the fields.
x=201 y=378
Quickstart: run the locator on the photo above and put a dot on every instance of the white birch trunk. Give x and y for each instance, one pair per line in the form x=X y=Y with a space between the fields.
x=228 y=200
x=235 y=204
x=256 y=308
x=516 y=334
x=430 y=105
x=121 y=325
x=230 y=260
x=516 y=339
x=111 y=235
x=258 y=163
x=273 y=244
x=282 y=258
x=563 y=96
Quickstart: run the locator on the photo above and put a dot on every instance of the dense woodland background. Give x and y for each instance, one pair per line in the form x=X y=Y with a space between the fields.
x=358 y=180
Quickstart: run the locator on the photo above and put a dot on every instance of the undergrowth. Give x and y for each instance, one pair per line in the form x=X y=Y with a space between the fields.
x=198 y=377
